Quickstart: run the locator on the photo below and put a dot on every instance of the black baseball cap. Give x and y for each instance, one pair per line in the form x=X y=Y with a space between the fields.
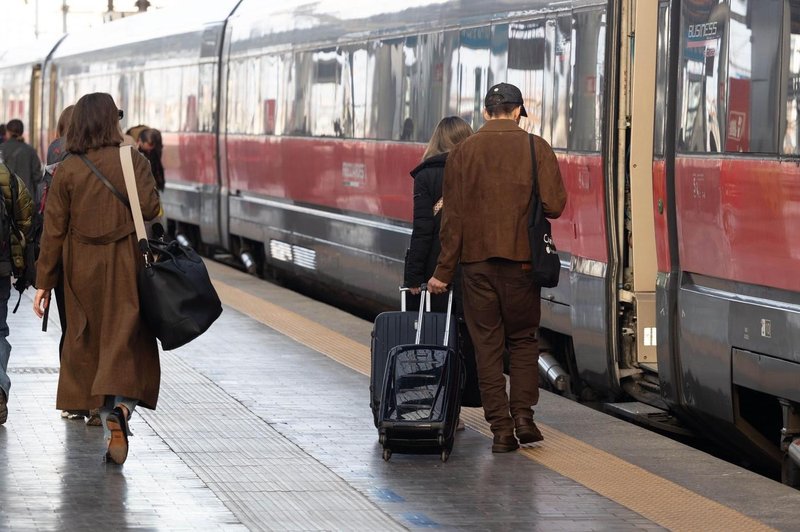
x=510 y=94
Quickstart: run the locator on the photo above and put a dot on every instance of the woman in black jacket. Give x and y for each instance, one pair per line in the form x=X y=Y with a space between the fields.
x=425 y=246
x=428 y=176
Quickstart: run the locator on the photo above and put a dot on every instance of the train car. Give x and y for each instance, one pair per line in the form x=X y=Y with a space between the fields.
x=292 y=127
x=163 y=71
x=727 y=210
x=21 y=86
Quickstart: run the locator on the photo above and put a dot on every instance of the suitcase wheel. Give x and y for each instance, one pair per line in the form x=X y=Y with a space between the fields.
x=382 y=439
x=440 y=441
x=445 y=455
x=387 y=454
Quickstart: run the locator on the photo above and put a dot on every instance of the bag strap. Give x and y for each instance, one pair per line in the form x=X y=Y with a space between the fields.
x=103 y=179
x=125 y=155
x=535 y=169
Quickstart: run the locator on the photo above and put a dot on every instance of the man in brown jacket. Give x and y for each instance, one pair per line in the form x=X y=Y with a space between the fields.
x=487 y=205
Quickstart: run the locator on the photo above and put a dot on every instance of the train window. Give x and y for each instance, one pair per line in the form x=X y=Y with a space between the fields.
x=791 y=69
x=191 y=80
x=270 y=74
x=662 y=80
x=424 y=57
x=385 y=116
x=331 y=95
x=206 y=91
x=526 y=66
x=753 y=87
x=473 y=74
x=562 y=53
x=243 y=82
x=300 y=68
x=359 y=71
x=702 y=72
x=589 y=38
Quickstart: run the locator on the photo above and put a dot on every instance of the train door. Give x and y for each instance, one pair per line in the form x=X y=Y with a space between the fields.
x=35 y=117
x=633 y=218
x=213 y=207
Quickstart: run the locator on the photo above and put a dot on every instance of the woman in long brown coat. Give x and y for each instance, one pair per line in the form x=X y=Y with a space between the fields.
x=110 y=358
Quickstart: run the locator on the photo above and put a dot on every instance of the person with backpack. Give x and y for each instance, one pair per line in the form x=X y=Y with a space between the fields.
x=22 y=159
x=16 y=211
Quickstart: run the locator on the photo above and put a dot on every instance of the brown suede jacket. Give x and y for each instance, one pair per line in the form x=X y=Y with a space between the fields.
x=487 y=196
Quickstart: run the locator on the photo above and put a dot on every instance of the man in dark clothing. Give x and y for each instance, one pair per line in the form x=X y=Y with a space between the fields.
x=22 y=159
x=487 y=189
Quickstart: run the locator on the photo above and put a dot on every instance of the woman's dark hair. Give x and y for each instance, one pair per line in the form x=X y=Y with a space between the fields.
x=153 y=137
x=95 y=124
x=64 y=120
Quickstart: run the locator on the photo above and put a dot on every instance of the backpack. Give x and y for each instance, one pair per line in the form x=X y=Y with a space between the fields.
x=22 y=268
x=6 y=262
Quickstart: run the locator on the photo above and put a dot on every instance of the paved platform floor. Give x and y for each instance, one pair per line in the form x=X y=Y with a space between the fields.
x=256 y=430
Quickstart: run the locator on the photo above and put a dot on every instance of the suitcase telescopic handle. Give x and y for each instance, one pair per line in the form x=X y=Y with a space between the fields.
x=403 y=291
x=425 y=302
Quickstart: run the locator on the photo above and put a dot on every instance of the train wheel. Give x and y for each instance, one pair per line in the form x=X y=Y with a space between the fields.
x=387 y=454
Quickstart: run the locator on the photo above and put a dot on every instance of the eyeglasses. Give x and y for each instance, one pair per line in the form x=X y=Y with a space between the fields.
x=121 y=113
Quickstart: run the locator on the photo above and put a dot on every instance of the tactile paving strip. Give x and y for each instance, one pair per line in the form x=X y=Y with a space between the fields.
x=266 y=480
x=662 y=501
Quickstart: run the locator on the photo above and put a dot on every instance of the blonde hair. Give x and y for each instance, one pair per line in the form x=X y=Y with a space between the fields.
x=449 y=131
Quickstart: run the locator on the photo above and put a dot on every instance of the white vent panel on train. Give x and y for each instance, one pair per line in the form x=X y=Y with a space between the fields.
x=280 y=250
x=304 y=257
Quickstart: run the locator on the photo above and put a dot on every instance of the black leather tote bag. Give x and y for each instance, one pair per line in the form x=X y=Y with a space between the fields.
x=545 y=263
x=176 y=297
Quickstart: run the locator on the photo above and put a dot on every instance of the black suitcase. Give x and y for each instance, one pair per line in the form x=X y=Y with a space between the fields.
x=400 y=328
x=421 y=397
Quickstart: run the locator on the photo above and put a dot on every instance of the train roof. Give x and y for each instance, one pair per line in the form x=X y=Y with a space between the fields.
x=29 y=53
x=292 y=22
x=156 y=25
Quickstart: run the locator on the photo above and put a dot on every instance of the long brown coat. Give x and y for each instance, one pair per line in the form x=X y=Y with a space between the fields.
x=108 y=350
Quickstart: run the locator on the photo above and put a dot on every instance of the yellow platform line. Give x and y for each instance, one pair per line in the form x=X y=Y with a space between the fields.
x=655 y=498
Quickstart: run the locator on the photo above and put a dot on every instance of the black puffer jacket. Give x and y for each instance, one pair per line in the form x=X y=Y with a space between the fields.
x=423 y=252
x=424 y=249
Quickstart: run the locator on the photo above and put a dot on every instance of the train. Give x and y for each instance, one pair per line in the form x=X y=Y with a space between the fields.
x=290 y=128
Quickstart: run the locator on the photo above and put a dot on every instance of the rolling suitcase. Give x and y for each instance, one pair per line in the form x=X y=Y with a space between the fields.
x=422 y=389
x=400 y=328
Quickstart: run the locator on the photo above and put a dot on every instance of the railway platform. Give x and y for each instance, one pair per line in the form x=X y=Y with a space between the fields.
x=264 y=424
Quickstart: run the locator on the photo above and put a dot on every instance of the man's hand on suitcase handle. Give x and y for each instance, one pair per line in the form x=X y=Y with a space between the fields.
x=435 y=286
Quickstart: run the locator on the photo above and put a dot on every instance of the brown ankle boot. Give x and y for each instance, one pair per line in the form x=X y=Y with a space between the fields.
x=526 y=430
x=504 y=443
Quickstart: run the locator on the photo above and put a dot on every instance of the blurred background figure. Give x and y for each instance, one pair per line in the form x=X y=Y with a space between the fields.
x=22 y=159
x=132 y=135
x=2 y=133
x=150 y=145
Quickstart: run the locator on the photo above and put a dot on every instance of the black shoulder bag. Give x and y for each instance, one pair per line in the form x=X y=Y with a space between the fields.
x=544 y=256
x=176 y=297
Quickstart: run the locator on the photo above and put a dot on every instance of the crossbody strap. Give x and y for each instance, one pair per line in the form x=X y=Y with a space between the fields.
x=535 y=169
x=103 y=179
x=125 y=155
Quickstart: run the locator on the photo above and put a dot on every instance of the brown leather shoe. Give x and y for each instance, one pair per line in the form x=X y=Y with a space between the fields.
x=526 y=430
x=504 y=443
